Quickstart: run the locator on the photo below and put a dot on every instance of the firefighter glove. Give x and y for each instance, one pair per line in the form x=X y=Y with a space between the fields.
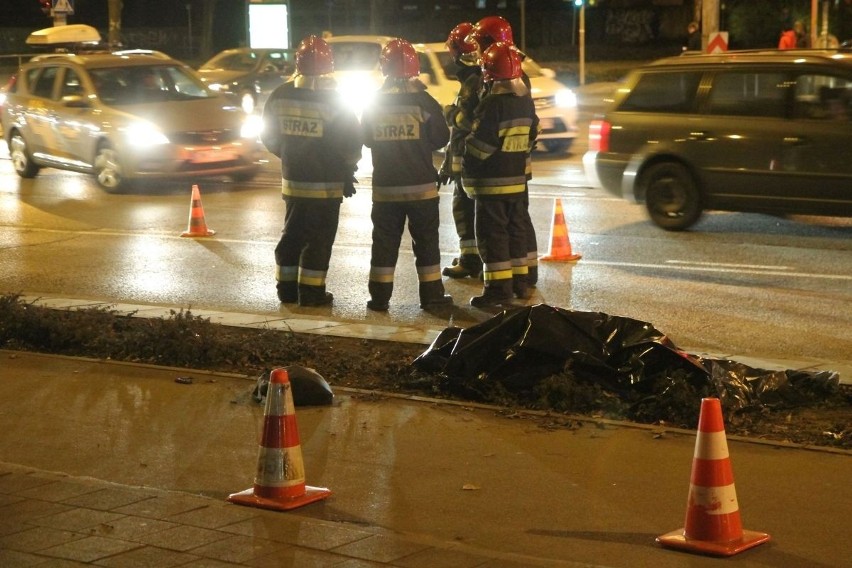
x=349 y=186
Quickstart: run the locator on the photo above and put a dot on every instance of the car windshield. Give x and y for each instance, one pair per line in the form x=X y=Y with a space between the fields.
x=147 y=84
x=240 y=61
x=356 y=56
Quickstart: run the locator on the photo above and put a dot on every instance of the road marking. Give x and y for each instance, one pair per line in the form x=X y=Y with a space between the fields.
x=769 y=271
x=677 y=265
x=729 y=265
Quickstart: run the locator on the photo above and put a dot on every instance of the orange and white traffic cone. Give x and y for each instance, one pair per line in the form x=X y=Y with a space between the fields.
x=197 y=226
x=279 y=483
x=560 y=244
x=713 y=523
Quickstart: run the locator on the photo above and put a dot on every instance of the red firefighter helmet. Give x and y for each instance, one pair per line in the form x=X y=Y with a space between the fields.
x=399 y=60
x=458 y=43
x=314 y=57
x=501 y=61
x=490 y=30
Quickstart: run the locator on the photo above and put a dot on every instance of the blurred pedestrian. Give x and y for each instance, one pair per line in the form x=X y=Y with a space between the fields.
x=402 y=128
x=319 y=143
x=788 y=36
x=494 y=170
x=803 y=38
x=693 y=37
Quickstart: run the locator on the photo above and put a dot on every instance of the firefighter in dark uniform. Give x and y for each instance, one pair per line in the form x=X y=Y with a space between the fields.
x=459 y=114
x=494 y=171
x=403 y=128
x=486 y=32
x=319 y=143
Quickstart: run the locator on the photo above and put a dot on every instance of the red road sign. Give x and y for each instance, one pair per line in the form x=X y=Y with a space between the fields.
x=717 y=42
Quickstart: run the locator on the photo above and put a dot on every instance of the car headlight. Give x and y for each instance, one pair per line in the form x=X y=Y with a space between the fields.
x=566 y=98
x=358 y=91
x=252 y=127
x=145 y=134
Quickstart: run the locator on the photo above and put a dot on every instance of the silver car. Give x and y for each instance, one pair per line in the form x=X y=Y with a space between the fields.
x=124 y=116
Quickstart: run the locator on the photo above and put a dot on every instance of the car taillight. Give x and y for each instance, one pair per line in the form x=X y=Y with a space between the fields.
x=599 y=135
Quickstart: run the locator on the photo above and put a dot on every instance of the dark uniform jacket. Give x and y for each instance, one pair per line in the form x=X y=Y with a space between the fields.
x=459 y=115
x=317 y=138
x=402 y=129
x=503 y=133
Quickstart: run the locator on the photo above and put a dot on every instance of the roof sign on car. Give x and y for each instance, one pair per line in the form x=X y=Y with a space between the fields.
x=74 y=33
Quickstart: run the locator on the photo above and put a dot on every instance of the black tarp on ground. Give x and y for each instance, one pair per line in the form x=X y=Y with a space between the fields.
x=519 y=347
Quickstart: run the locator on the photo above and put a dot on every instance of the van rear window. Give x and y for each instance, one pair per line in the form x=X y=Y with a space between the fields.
x=663 y=92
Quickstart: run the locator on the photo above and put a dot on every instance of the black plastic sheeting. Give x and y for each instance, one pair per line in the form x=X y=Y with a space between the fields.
x=522 y=346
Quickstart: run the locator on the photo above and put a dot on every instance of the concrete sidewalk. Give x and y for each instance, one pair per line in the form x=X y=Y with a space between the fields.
x=146 y=462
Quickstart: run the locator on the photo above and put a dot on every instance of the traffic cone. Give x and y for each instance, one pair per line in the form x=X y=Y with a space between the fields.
x=712 y=514
x=279 y=483
x=197 y=225
x=560 y=245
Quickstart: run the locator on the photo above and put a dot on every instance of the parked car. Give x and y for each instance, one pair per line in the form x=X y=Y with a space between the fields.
x=249 y=73
x=760 y=131
x=356 y=64
x=124 y=116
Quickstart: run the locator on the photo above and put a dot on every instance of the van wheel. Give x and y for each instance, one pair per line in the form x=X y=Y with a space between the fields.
x=21 y=159
x=108 y=168
x=671 y=196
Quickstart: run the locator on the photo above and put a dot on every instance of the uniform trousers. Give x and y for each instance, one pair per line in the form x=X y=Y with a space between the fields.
x=501 y=233
x=304 y=250
x=389 y=218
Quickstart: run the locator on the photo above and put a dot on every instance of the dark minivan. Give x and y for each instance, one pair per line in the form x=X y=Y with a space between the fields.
x=761 y=131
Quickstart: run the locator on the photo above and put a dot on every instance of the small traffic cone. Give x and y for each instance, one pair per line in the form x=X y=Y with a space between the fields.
x=560 y=245
x=197 y=225
x=713 y=523
x=279 y=483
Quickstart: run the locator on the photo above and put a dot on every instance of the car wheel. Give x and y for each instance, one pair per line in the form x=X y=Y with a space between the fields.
x=559 y=146
x=245 y=176
x=21 y=159
x=108 y=168
x=671 y=196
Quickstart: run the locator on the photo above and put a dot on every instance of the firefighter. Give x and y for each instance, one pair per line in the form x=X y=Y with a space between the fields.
x=486 y=32
x=466 y=57
x=494 y=171
x=403 y=128
x=319 y=143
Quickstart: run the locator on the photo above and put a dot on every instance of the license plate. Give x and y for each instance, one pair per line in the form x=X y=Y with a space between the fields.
x=211 y=155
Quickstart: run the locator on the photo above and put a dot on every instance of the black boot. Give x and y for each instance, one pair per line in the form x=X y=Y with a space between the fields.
x=466 y=265
x=311 y=296
x=494 y=295
x=288 y=292
x=380 y=294
x=432 y=295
